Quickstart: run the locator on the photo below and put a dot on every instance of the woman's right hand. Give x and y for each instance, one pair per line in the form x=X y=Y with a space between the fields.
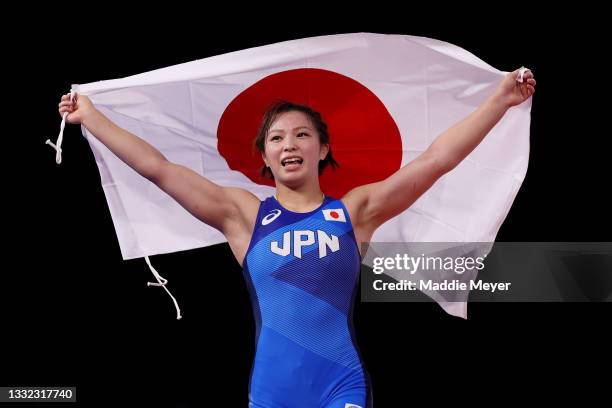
x=77 y=109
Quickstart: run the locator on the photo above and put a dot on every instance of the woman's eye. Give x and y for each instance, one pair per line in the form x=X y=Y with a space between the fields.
x=275 y=137
x=302 y=133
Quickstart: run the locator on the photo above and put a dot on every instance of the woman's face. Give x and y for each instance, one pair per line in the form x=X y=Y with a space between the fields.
x=292 y=149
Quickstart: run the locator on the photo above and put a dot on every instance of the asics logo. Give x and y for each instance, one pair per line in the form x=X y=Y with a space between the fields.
x=270 y=217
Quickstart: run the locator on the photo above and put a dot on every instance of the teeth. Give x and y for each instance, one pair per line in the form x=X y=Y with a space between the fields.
x=289 y=161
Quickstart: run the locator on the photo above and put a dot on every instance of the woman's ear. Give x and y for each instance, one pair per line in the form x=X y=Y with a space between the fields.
x=324 y=151
x=263 y=156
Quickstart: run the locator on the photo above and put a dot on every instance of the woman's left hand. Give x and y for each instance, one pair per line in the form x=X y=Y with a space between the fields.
x=511 y=92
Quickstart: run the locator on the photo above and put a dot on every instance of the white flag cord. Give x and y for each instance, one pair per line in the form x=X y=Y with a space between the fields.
x=58 y=145
x=58 y=159
x=162 y=282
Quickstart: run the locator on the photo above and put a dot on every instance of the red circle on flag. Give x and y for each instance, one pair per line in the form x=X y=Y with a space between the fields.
x=333 y=214
x=364 y=138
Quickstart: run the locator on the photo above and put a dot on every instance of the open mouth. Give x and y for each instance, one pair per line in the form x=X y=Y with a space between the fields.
x=292 y=162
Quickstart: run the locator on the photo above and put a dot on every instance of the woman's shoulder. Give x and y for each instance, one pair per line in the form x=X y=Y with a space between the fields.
x=247 y=202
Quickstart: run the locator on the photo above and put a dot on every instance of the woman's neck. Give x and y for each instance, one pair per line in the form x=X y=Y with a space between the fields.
x=299 y=201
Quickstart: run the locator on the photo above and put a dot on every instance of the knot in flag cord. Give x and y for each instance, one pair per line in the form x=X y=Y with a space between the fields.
x=58 y=159
x=162 y=282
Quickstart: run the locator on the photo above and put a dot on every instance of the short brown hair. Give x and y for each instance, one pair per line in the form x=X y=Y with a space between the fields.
x=280 y=107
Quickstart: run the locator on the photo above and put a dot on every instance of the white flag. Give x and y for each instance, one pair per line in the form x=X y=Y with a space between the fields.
x=385 y=99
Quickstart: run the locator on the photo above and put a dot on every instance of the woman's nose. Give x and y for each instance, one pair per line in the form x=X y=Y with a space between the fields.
x=289 y=143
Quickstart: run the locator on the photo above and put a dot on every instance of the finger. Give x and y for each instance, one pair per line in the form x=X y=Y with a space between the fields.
x=66 y=97
x=531 y=89
x=531 y=81
x=65 y=103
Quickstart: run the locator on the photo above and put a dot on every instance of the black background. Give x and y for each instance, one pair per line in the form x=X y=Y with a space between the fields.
x=74 y=313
